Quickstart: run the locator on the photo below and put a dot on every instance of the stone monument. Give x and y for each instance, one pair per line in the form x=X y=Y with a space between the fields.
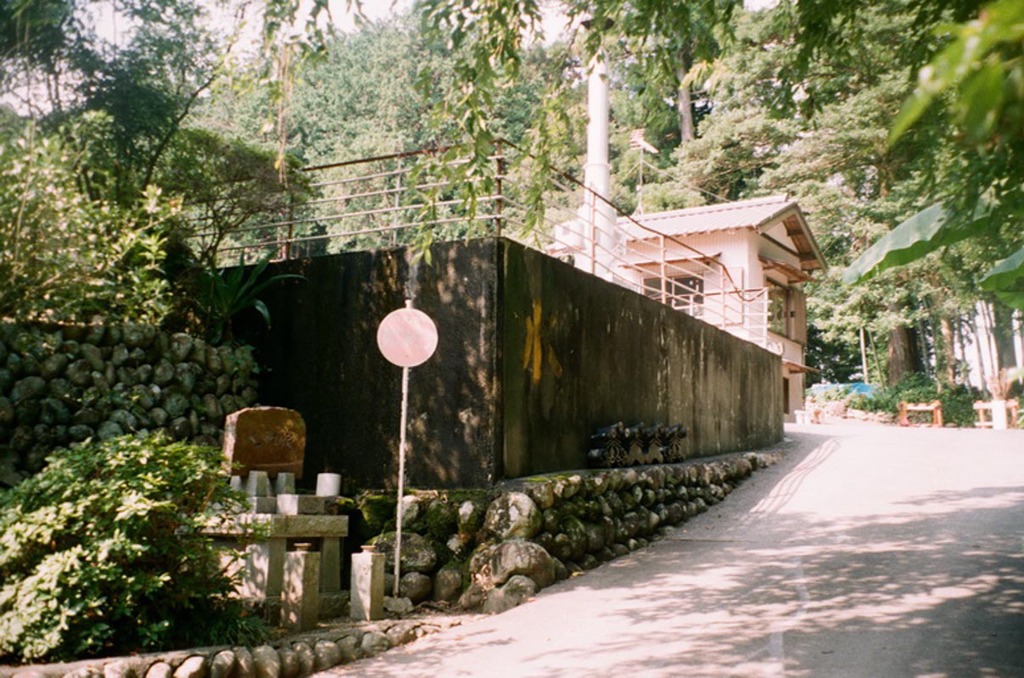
x=270 y=439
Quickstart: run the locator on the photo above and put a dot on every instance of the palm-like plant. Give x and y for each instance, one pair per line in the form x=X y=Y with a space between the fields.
x=223 y=294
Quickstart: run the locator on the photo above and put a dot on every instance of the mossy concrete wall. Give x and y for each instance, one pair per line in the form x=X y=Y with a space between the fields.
x=321 y=359
x=533 y=355
x=581 y=353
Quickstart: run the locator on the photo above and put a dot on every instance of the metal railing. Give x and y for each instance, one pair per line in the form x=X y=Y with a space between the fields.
x=658 y=265
x=401 y=199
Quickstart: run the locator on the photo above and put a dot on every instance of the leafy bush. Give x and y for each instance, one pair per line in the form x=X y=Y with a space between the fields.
x=102 y=552
x=66 y=254
x=835 y=393
x=957 y=401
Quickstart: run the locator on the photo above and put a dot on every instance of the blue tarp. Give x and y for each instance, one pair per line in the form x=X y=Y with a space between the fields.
x=853 y=388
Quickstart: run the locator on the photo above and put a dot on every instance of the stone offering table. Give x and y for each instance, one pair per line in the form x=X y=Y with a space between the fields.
x=263 y=563
x=296 y=559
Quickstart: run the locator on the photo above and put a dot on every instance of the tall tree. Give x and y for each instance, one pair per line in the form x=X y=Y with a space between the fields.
x=58 y=64
x=979 y=69
x=114 y=107
x=822 y=138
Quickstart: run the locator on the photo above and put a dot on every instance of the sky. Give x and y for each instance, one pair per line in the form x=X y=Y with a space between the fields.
x=553 y=22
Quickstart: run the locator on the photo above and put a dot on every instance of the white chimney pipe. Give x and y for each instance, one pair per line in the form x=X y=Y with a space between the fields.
x=596 y=173
x=597 y=215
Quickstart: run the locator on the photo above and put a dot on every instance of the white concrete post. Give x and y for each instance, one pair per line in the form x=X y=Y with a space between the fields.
x=599 y=217
x=367 y=589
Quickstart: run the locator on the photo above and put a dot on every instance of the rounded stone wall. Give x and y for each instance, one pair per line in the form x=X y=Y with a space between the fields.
x=61 y=384
x=492 y=550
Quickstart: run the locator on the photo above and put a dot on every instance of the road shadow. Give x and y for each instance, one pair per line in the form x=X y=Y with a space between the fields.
x=760 y=585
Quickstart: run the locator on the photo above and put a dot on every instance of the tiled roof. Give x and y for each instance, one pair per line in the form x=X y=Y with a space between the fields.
x=757 y=214
x=710 y=218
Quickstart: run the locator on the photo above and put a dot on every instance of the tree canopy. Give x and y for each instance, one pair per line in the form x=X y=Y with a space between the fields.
x=800 y=98
x=803 y=99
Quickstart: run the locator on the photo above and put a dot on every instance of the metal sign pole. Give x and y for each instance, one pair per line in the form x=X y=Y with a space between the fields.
x=401 y=476
x=407 y=338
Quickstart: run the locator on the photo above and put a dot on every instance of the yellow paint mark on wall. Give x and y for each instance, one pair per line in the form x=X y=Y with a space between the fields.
x=534 y=351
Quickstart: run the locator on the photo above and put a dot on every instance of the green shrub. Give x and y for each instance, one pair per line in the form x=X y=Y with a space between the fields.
x=957 y=401
x=958 y=405
x=376 y=515
x=836 y=393
x=102 y=553
x=66 y=255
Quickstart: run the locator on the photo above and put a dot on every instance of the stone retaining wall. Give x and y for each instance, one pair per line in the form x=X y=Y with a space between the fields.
x=501 y=548
x=63 y=384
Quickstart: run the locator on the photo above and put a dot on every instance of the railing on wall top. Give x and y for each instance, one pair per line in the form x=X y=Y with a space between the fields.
x=396 y=200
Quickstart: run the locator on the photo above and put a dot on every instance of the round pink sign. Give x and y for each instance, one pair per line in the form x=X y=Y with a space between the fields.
x=407 y=337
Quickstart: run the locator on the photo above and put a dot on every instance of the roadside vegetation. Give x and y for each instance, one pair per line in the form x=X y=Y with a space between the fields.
x=131 y=165
x=957 y=401
x=103 y=552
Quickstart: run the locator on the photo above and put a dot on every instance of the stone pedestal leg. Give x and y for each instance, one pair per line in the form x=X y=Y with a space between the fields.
x=300 y=603
x=330 y=565
x=277 y=547
x=257 y=484
x=284 y=483
x=264 y=565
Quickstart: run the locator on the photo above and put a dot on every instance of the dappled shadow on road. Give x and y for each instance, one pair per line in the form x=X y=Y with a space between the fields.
x=911 y=597
x=933 y=585
x=937 y=590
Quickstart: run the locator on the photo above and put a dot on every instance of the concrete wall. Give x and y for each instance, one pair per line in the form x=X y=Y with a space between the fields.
x=322 y=360
x=533 y=355
x=582 y=353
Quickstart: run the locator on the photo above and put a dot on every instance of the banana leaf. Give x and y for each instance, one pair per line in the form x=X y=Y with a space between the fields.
x=921 y=234
x=1006 y=279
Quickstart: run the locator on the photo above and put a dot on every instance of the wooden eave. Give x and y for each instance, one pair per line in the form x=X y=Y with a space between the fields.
x=795 y=367
x=654 y=266
x=811 y=258
x=794 y=274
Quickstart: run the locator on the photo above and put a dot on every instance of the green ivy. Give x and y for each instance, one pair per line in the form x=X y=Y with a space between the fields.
x=102 y=552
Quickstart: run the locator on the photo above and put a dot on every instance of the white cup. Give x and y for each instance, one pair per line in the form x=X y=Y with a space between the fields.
x=328 y=484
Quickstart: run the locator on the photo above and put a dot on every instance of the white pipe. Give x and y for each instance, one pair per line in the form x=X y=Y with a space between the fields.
x=597 y=175
x=400 y=516
x=598 y=216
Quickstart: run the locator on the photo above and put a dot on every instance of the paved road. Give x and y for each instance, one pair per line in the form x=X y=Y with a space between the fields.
x=870 y=551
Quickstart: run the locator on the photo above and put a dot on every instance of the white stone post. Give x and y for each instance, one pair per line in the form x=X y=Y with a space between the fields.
x=999 y=418
x=328 y=484
x=367 y=590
